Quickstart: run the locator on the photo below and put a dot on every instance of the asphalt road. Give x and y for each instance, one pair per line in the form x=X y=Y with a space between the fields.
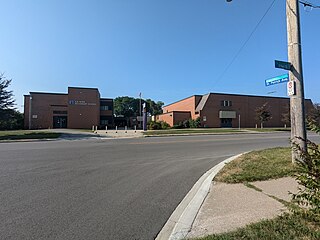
x=106 y=189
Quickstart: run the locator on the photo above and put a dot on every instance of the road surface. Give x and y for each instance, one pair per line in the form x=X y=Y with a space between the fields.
x=107 y=189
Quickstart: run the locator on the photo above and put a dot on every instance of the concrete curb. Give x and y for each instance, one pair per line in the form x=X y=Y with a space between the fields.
x=199 y=134
x=180 y=222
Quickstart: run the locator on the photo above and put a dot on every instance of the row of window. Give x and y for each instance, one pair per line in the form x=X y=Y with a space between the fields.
x=104 y=122
x=104 y=108
x=226 y=103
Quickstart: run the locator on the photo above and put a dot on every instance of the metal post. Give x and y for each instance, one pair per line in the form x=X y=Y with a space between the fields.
x=144 y=117
x=140 y=111
x=125 y=129
x=239 y=122
x=116 y=129
x=106 y=128
x=30 y=112
x=297 y=111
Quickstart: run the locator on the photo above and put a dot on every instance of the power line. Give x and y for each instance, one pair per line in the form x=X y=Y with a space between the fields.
x=245 y=43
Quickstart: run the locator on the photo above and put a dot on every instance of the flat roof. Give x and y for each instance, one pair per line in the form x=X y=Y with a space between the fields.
x=84 y=88
x=46 y=93
x=231 y=94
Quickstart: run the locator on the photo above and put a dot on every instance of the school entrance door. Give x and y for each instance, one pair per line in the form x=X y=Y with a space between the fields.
x=60 y=121
x=226 y=122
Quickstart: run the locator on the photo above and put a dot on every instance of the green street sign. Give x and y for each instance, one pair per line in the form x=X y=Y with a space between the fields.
x=282 y=65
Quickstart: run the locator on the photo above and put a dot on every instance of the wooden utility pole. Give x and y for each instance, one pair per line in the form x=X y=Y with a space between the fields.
x=297 y=111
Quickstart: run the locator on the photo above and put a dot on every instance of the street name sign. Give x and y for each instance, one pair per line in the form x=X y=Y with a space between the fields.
x=277 y=80
x=282 y=65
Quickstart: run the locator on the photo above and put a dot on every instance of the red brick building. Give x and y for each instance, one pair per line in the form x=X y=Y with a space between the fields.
x=225 y=110
x=79 y=108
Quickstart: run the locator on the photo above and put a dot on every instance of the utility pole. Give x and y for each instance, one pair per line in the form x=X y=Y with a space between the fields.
x=297 y=111
x=140 y=113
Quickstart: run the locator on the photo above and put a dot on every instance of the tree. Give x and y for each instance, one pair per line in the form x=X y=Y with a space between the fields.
x=6 y=96
x=130 y=107
x=285 y=116
x=154 y=108
x=10 y=118
x=263 y=114
x=126 y=106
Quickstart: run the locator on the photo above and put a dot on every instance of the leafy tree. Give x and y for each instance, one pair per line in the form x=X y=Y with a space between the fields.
x=126 y=106
x=10 y=118
x=6 y=96
x=130 y=107
x=263 y=114
x=154 y=108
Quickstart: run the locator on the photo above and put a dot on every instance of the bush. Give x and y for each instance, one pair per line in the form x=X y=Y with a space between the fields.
x=308 y=176
x=164 y=125
x=190 y=123
x=195 y=123
x=11 y=120
x=153 y=125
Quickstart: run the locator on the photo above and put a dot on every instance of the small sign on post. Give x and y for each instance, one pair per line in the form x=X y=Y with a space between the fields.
x=291 y=88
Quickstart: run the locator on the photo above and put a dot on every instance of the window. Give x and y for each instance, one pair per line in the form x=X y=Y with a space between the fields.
x=104 y=108
x=226 y=103
x=104 y=122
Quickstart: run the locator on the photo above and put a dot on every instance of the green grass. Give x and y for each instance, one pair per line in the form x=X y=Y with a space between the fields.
x=269 y=129
x=27 y=134
x=211 y=130
x=285 y=227
x=258 y=166
x=192 y=130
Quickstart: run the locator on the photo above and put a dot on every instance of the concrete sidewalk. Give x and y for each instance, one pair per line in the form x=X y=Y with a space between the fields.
x=231 y=206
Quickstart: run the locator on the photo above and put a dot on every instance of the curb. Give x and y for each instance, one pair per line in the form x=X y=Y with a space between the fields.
x=180 y=222
x=201 y=134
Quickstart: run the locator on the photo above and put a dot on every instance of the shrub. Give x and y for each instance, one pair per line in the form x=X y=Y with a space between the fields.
x=153 y=125
x=308 y=176
x=195 y=123
x=190 y=123
x=164 y=125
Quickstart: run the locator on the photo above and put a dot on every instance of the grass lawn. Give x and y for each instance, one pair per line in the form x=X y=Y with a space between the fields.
x=258 y=166
x=288 y=226
x=27 y=134
x=212 y=130
x=270 y=129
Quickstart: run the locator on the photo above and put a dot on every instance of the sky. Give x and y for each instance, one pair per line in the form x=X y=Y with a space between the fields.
x=166 y=49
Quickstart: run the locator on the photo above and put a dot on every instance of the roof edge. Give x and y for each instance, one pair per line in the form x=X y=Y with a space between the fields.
x=196 y=95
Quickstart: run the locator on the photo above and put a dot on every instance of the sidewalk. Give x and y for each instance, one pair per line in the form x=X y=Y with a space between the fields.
x=230 y=206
